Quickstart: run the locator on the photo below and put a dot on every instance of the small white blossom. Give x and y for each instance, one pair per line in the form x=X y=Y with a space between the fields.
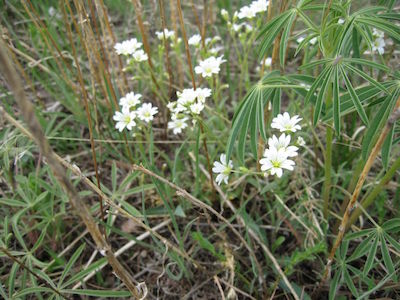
x=300 y=39
x=246 y=12
x=259 y=6
x=282 y=143
x=209 y=66
x=275 y=161
x=125 y=119
x=139 y=55
x=127 y=47
x=168 y=34
x=146 y=112
x=268 y=62
x=340 y=21
x=224 y=14
x=196 y=108
x=202 y=94
x=379 y=45
x=285 y=123
x=300 y=141
x=378 y=33
x=177 y=124
x=187 y=96
x=223 y=169
x=130 y=100
x=313 y=40
x=195 y=40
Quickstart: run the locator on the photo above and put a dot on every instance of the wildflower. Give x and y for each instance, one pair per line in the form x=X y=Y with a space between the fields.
x=168 y=34
x=215 y=50
x=377 y=33
x=259 y=6
x=196 y=108
x=187 y=96
x=130 y=100
x=177 y=124
x=285 y=123
x=146 y=112
x=139 y=55
x=300 y=141
x=126 y=118
x=223 y=169
x=282 y=143
x=378 y=45
x=127 y=47
x=195 y=40
x=268 y=62
x=313 y=40
x=202 y=94
x=340 y=21
x=54 y=13
x=300 y=39
x=224 y=14
x=275 y=161
x=246 y=12
x=209 y=66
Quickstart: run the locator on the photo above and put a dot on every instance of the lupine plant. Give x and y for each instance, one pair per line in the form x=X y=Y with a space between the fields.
x=206 y=150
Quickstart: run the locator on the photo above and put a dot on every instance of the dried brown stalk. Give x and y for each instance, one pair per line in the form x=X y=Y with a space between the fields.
x=81 y=209
x=371 y=158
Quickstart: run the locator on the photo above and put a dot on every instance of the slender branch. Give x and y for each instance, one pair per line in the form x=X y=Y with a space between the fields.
x=20 y=263
x=28 y=112
x=345 y=220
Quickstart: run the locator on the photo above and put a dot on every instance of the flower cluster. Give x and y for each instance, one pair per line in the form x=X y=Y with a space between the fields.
x=131 y=110
x=254 y=8
x=277 y=156
x=132 y=49
x=190 y=103
x=209 y=66
x=378 y=45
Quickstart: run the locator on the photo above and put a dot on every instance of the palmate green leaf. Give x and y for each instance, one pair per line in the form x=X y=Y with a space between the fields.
x=285 y=37
x=272 y=29
x=365 y=62
x=371 y=256
x=322 y=95
x=378 y=122
x=349 y=282
x=366 y=77
x=387 y=259
x=99 y=293
x=354 y=97
x=335 y=284
x=392 y=225
x=387 y=147
x=363 y=247
x=69 y=265
x=336 y=101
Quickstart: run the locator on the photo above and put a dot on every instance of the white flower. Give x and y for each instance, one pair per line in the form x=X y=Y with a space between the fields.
x=268 y=62
x=223 y=169
x=379 y=45
x=146 y=112
x=224 y=14
x=196 y=108
x=202 y=94
x=195 y=40
x=300 y=141
x=259 y=6
x=139 y=55
x=286 y=124
x=54 y=13
x=283 y=144
x=340 y=21
x=124 y=119
x=275 y=161
x=168 y=34
x=305 y=86
x=177 y=124
x=209 y=66
x=215 y=50
x=237 y=27
x=377 y=33
x=300 y=39
x=130 y=100
x=313 y=40
x=246 y=12
x=187 y=96
x=127 y=47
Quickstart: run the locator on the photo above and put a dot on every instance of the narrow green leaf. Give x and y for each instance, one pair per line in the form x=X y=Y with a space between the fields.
x=70 y=263
x=386 y=147
x=354 y=97
x=99 y=293
x=349 y=282
x=387 y=259
x=317 y=83
x=371 y=257
x=366 y=77
x=321 y=96
x=335 y=284
x=336 y=101
x=285 y=37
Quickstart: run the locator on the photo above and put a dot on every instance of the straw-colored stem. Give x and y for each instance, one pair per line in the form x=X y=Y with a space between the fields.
x=371 y=158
